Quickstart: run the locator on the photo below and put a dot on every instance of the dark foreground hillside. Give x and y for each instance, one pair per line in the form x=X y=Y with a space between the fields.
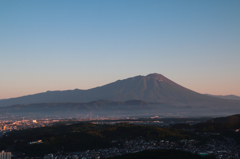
x=87 y=139
x=84 y=136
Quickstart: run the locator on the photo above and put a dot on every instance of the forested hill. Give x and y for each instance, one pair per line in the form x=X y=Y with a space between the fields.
x=228 y=119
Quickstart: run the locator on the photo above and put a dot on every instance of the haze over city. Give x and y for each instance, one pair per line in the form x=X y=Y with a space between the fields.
x=59 y=45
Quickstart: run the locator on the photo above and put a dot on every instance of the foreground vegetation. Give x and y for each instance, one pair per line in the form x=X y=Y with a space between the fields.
x=84 y=136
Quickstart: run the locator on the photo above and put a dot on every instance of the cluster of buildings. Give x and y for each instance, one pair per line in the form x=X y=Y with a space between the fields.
x=35 y=142
x=222 y=149
x=5 y=155
x=6 y=126
x=10 y=125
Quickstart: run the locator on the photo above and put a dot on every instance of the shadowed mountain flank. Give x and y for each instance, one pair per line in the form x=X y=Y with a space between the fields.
x=150 y=88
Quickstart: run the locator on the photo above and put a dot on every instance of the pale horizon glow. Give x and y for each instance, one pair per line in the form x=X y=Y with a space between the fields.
x=59 y=45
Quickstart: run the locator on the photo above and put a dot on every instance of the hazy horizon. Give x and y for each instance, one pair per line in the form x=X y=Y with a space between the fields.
x=64 y=45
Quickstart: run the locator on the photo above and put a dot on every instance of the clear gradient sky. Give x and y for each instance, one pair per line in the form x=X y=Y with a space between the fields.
x=60 y=44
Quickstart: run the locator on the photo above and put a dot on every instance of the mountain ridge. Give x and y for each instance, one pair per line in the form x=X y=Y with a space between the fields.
x=151 y=88
x=231 y=97
x=228 y=119
x=92 y=103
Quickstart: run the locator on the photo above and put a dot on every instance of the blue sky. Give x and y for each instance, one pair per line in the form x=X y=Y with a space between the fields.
x=59 y=45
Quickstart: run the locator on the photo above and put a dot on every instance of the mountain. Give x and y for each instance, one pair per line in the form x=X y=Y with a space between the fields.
x=150 y=88
x=232 y=97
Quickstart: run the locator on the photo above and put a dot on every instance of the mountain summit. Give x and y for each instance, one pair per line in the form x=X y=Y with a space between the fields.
x=151 y=88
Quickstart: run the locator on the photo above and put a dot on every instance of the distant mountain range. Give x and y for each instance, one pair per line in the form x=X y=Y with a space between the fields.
x=231 y=97
x=96 y=109
x=111 y=109
x=97 y=103
x=151 y=88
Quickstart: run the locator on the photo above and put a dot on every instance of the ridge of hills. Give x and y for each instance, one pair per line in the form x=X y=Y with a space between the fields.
x=99 y=108
x=83 y=104
x=231 y=97
x=228 y=119
x=150 y=88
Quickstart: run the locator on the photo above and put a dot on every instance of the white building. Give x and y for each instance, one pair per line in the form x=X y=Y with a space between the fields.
x=5 y=155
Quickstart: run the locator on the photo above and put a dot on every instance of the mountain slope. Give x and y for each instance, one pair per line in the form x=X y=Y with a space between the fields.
x=150 y=88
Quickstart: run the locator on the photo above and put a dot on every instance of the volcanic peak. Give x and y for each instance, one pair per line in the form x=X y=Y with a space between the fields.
x=156 y=76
